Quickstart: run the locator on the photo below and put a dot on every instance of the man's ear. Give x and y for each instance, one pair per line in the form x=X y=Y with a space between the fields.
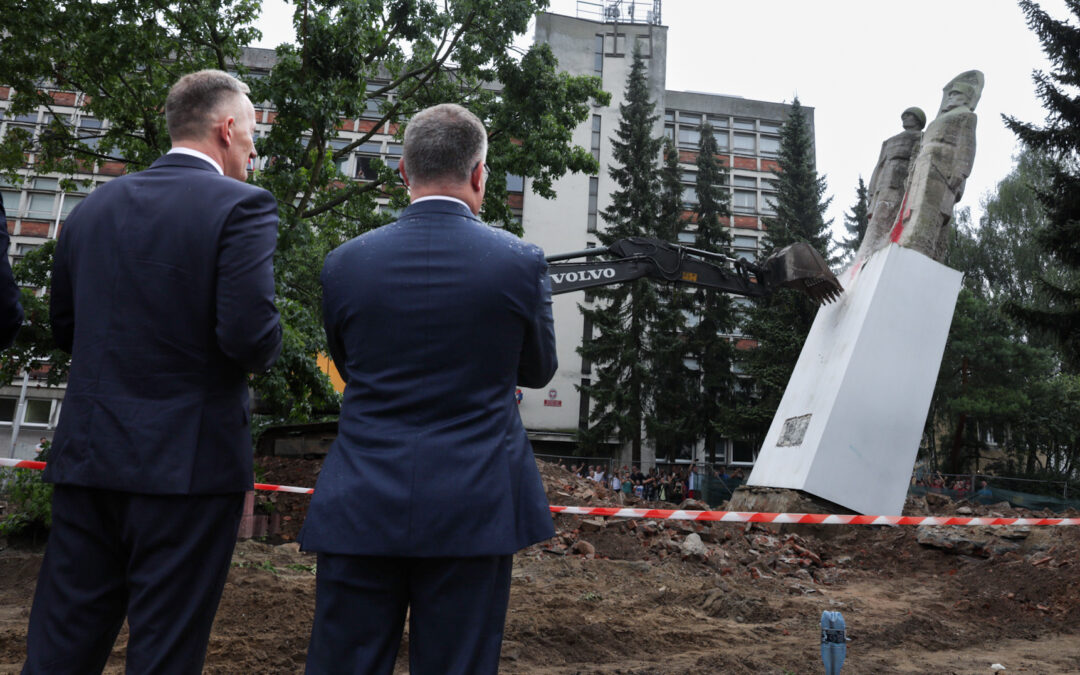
x=401 y=172
x=476 y=178
x=225 y=130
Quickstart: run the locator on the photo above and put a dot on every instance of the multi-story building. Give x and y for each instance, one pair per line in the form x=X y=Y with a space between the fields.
x=748 y=136
x=598 y=44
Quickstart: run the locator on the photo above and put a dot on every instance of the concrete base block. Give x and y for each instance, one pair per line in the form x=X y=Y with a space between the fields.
x=847 y=429
x=780 y=500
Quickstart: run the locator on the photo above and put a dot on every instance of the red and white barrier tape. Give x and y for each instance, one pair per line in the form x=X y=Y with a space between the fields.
x=803 y=518
x=31 y=464
x=284 y=488
x=711 y=516
x=22 y=463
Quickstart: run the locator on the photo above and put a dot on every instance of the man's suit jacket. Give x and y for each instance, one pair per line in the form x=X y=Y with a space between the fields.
x=11 y=311
x=163 y=292
x=432 y=320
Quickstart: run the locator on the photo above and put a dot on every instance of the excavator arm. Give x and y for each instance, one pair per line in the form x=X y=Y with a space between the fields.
x=798 y=266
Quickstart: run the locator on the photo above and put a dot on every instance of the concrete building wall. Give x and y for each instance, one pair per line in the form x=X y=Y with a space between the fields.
x=562 y=224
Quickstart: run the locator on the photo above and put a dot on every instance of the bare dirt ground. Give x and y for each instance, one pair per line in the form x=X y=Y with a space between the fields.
x=649 y=597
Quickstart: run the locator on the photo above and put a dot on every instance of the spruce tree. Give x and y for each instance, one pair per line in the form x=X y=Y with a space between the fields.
x=620 y=389
x=780 y=322
x=674 y=386
x=855 y=222
x=1058 y=315
x=711 y=345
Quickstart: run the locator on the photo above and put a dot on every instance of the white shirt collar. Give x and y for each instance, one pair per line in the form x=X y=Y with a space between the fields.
x=200 y=155
x=451 y=199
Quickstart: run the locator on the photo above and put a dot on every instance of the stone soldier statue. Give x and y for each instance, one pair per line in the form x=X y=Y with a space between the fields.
x=939 y=171
x=886 y=190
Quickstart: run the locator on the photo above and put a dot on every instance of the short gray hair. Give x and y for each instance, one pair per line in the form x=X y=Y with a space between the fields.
x=193 y=100
x=443 y=142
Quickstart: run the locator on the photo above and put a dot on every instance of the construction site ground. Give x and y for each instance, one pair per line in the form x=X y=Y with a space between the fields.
x=637 y=597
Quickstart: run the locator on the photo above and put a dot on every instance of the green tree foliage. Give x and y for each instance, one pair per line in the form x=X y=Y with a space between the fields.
x=33 y=345
x=855 y=221
x=620 y=389
x=998 y=379
x=781 y=321
x=1000 y=259
x=123 y=55
x=385 y=59
x=30 y=502
x=1057 y=312
x=675 y=386
x=713 y=412
x=986 y=384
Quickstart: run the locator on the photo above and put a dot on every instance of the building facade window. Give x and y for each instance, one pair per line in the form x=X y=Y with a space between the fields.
x=70 y=202
x=594 y=194
x=745 y=144
x=38 y=413
x=744 y=200
x=598 y=56
x=768 y=203
x=11 y=202
x=689 y=137
x=596 y=137
x=586 y=338
x=770 y=145
x=41 y=205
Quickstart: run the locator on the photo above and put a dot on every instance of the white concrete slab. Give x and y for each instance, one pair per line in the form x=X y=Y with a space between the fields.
x=849 y=424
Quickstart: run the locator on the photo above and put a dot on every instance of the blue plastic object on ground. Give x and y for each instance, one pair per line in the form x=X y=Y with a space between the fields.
x=833 y=642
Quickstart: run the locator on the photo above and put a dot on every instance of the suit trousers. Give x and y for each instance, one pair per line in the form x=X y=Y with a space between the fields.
x=160 y=559
x=456 y=607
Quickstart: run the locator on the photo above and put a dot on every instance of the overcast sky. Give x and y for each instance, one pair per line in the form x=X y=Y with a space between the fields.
x=858 y=63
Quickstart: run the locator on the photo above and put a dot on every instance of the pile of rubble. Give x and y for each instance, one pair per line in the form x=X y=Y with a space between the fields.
x=801 y=556
x=761 y=552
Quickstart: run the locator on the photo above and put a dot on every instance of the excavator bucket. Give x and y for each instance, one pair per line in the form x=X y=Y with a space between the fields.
x=801 y=267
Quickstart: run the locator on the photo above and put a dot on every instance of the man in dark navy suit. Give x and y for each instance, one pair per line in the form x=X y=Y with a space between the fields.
x=431 y=485
x=11 y=311
x=163 y=292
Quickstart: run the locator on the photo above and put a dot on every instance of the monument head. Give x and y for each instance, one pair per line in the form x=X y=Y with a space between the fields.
x=964 y=90
x=913 y=118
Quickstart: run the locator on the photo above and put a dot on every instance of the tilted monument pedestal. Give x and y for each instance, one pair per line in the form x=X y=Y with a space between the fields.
x=848 y=427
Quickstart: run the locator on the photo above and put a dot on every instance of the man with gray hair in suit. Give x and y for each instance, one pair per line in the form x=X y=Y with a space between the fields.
x=431 y=485
x=163 y=293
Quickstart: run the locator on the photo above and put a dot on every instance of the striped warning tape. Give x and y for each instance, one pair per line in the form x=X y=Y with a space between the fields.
x=284 y=488
x=711 y=516
x=32 y=464
x=803 y=518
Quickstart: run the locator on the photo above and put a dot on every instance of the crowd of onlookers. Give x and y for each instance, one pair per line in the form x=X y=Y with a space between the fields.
x=936 y=482
x=958 y=487
x=673 y=484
